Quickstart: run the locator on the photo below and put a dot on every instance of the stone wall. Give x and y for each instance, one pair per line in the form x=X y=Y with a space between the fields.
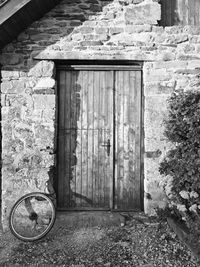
x=88 y=29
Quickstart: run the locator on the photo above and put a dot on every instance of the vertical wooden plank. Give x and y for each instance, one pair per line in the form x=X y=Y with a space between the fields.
x=96 y=166
x=117 y=185
x=61 y=85
x=180 y=12
x=169 y=8
x=85 y=132
x=128 y=130
x=78 y=152
x=166 y=12
x=90 y=157
x=138 y=96
x=103 y=156
x=163 y=12
x=67 y=143
x=97 y=148
x=64 y=157
x=191 y=12
x=61 y=138
x=78 y=185
x=196 y=13
x=73 y=136
x=184 y=8
x=107 y=180
x=186 y=17
x=134 y=178
x=127 y=187
x=119 y=138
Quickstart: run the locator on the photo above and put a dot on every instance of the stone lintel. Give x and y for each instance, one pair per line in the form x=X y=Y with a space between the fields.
x=63 y=55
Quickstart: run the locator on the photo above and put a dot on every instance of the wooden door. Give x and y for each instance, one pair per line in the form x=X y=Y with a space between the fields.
x=99 y=125
x=85 y=158
x=128 y=134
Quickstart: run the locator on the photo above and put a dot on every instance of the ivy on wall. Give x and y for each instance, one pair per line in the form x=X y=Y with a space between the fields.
x=181 y=166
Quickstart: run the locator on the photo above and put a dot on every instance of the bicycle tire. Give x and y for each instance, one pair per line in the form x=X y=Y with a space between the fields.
x=30 y=209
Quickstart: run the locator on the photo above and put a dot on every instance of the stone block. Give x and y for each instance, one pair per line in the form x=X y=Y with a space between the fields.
x=10 y=74
x=183 y=82
x=194 y=64
x=40 y=36
x=108 y=16
x=10 y=59
x=156 y=145
x=130 y=39
x=80 y=17
x=96 y=37
x=90 y=43
x=23 y=37
x=9 y=48
x=127 y=2
x=43 y=68
x=188 y=71
x=92 y=1
x=193 y=30
x=116 y=30
x=95 y=8
x=154 y=114
x=15 y=86
x=44 y=102
x=147 y=12
x=101 y=30
x=42 y=115
x=166 y=55
x=151 y=171
x=151 y=205
x=154 y=75
x=45 y=83
x=69 y=46
x=197 y=48
x=47 y=23
x=84 y=30
x=77 y=37
x=188 y=57
x=175 y=64
x=84 y=6
x=174 y=29
x=157 y=29
x=138 y=28
x=194 y=39
x=5 y=87
x=172 y=39
x=19 y=86
x=159 y=88
x=154 y=195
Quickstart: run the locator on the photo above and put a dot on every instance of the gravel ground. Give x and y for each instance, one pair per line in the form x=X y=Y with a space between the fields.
x=135 y=244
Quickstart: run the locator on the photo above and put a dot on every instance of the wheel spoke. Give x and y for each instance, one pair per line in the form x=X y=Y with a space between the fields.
x=32 y=217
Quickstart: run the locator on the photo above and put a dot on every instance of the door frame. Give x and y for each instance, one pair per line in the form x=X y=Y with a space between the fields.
x=106 y=65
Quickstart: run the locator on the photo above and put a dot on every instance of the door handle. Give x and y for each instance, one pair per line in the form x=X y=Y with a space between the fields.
x=107 y=145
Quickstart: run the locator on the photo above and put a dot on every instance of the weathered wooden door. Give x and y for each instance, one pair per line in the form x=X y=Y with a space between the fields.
x=99 y=126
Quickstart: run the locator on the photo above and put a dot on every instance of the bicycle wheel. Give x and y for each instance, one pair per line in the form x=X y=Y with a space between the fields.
x=32 y=217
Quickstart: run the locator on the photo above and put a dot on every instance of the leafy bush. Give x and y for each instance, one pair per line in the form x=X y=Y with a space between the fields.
x=181 y=166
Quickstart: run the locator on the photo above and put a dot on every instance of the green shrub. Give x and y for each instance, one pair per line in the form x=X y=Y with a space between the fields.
x=181 y=166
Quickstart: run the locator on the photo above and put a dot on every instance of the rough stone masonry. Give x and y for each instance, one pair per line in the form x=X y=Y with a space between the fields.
x=88 y=29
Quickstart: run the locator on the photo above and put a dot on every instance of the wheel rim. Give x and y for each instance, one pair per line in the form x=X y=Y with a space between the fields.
x=32 y=217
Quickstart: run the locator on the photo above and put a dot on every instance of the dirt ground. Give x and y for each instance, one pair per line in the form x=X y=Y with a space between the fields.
x=135 y=244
